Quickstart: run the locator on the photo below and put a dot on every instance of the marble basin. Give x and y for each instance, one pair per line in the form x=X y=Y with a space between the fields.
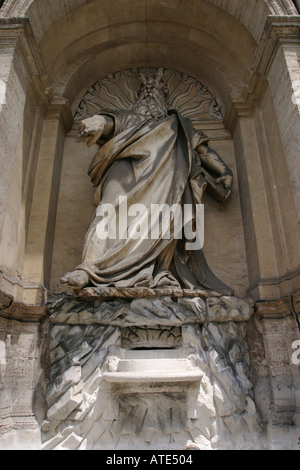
x=151 y=366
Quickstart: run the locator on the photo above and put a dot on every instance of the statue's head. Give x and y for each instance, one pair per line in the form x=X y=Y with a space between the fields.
x=152 y=95
x=153 y=85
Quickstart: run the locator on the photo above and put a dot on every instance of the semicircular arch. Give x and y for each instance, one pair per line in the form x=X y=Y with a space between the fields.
x=35 y=11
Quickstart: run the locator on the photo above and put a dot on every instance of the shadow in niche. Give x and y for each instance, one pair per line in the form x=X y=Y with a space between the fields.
x=297 y=5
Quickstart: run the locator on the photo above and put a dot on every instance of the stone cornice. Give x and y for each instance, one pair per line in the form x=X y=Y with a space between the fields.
x=19 y=311
x=274 y=281
x=24 y=313
x=20 y=300
x=279 y=309
x=278 y=31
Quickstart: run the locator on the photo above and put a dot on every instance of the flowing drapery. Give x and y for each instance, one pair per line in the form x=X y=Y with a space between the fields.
x=147 y=162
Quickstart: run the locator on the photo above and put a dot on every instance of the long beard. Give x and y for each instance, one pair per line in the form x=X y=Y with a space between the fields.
x=150 y=106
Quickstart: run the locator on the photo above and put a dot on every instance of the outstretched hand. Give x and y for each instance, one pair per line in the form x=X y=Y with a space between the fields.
x=91 y=130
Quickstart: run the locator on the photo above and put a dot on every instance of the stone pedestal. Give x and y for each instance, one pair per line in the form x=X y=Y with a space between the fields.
x=150 y=373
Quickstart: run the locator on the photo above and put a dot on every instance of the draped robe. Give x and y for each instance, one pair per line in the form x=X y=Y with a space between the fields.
x=148 y=161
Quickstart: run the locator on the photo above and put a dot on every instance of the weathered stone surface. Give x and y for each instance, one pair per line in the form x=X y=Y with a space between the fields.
x=22 y=404
x=147 y=311
x=228 y=308
x=150 y=407
x=65 y=404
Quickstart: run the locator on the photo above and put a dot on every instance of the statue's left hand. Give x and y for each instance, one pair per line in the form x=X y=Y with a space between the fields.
x=226 y=179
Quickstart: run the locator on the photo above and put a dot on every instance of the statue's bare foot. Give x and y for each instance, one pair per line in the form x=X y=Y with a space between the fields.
x=78 y=278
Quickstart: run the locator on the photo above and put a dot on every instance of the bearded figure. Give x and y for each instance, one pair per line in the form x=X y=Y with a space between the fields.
x=149 y=156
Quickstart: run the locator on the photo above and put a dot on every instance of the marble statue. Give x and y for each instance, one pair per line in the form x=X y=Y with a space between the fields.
x=148 y=155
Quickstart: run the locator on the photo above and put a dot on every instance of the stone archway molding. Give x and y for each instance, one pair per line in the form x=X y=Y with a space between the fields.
x=20 y=7
x=30 y=8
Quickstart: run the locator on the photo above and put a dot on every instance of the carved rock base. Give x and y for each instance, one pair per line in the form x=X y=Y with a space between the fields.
x=150 y=374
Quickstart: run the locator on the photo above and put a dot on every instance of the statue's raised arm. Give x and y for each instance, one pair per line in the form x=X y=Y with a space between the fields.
x=95 y=127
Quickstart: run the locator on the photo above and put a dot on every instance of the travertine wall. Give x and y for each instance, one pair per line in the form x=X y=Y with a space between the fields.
x=250 y=61
x=23 y=365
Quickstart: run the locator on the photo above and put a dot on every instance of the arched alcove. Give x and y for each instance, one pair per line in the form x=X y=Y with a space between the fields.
x=202 y=39
x=42 y=22
x=247 y=54
x=218 y=44
x=227 y=258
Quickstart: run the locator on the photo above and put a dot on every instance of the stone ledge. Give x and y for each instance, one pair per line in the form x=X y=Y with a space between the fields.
x=90 y=293
x=278 y=309
x=152 y=366
x=23 y=313
x=150 y=311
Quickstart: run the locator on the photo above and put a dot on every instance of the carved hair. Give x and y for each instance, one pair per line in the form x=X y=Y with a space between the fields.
x=155 y=81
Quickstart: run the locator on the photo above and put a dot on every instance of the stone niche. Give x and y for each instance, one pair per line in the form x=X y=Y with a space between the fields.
x=150 y=373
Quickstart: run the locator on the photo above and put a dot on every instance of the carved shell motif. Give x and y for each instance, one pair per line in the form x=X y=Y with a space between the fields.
x=120 y=91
